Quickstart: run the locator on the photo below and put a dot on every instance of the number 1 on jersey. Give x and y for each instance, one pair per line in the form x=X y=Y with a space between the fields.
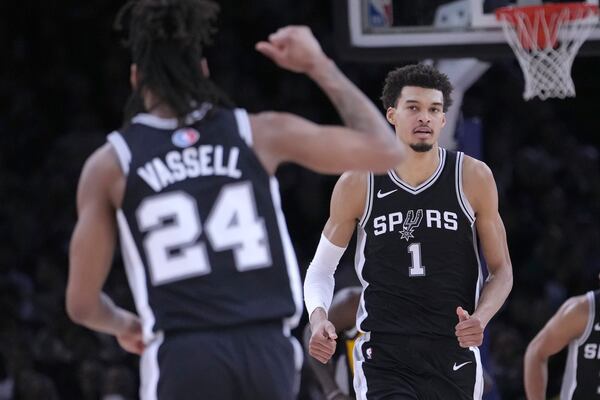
x=417 y=268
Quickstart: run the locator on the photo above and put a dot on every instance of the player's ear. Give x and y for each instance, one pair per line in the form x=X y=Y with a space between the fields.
x=204 y=67
x=443 y=120
x=389 y=114
x=133 y=76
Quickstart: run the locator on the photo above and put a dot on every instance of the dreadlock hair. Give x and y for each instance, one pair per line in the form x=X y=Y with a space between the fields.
x=420 y=75
x=166 y=39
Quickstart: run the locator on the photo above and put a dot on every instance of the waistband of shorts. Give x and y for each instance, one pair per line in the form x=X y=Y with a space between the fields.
x=271 y=325
x=395 y=338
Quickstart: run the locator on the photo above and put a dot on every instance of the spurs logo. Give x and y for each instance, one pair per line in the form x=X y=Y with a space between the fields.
x=411 y=222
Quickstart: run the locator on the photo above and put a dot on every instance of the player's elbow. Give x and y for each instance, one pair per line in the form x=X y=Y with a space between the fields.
x=76 y=312
x=504 y=274
x=79 y=310
x=533 y=354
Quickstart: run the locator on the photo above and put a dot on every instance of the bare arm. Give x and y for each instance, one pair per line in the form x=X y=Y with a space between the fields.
x=347 y=205
x=367 y=144
x=280 y=137
x=566 y=325
x=92 y=247
x=480 y=189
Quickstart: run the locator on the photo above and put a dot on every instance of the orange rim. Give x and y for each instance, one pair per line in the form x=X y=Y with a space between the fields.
x=547 y=12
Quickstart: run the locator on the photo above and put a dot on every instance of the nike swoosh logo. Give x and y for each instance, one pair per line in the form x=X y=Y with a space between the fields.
x=382 y=195
x=597 y=326
x=459 y=366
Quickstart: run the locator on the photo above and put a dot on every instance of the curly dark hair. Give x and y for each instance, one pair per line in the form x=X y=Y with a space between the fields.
x=419 y=75
x=166 y=39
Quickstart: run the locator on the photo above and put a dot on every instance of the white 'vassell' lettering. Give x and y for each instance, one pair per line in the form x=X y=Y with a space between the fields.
x=191 y=162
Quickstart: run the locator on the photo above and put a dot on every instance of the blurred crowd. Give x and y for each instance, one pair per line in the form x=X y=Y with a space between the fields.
x=63 y=82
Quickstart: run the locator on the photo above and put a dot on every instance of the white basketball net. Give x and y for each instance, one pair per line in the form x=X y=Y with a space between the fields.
x=546 y=57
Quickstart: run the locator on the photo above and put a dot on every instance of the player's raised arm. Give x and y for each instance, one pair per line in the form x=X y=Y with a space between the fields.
x=567 y=324
x=366 y=144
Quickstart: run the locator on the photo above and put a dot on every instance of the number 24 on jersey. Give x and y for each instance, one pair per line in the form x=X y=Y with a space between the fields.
x=173 y=251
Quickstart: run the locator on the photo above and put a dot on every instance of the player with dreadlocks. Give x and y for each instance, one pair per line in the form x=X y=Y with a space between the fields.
x=188 y=183
x=167 y=51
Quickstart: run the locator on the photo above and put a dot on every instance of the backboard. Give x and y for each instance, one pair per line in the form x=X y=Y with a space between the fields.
x=391 y=30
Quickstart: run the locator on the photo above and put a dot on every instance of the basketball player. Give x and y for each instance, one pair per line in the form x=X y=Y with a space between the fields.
x=189 y=185
x=423 y=310
x=335 y=377
x=576 y=324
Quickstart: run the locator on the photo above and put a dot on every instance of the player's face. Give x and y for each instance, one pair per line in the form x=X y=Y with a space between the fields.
x=418 y=117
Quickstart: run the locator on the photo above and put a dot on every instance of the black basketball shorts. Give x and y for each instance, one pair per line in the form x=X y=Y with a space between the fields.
x=410 y=368
x=247 y=362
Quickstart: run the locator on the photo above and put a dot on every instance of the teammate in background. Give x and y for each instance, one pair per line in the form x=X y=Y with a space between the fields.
x=189 y=186
x=335 y=377
x=576 y=324
x=424 y=307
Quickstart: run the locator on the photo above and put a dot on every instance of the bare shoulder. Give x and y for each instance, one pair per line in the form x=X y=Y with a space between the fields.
x=270 y=135
x=103 y=160
x=268 y=117
x=575 y=307
x=476 y=171
x=270 y=122
x=102 y=176
x=353 y=181
x=272 y=127
x=263 y=121
x=479 y=184
x=351 y=186
x=350 y=193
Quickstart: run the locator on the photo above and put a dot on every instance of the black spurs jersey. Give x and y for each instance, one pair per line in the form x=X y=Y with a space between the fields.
x=202 y=232
x=417 y=254
x=581 y=379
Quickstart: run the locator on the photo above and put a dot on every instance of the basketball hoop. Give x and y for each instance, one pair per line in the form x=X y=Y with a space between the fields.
x=545 y=40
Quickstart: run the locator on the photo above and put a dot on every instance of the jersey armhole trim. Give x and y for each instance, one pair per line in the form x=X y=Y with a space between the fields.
x=122 y=150
x=591 y=317
x=462 y=198
x=368 y=202
x=244 y=128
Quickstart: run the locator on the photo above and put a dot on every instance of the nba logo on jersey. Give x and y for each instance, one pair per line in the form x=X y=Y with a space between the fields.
x=381 y=13
x=185 y=137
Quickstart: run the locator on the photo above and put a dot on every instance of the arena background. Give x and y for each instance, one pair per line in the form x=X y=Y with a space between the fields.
x=63 y=83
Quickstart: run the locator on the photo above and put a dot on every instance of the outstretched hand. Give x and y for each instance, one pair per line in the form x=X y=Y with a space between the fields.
x=322 y=341
x=469 y=330
x=294 y=48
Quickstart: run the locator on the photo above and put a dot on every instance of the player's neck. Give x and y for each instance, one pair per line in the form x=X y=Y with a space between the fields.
x=162 y=112
x=156 y=107
x=418 y=166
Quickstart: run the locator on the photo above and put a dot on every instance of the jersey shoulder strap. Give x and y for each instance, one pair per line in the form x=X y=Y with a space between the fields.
x=121 y=149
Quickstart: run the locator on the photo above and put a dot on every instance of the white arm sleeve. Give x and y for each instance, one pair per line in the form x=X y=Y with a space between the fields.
x=319 y=282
